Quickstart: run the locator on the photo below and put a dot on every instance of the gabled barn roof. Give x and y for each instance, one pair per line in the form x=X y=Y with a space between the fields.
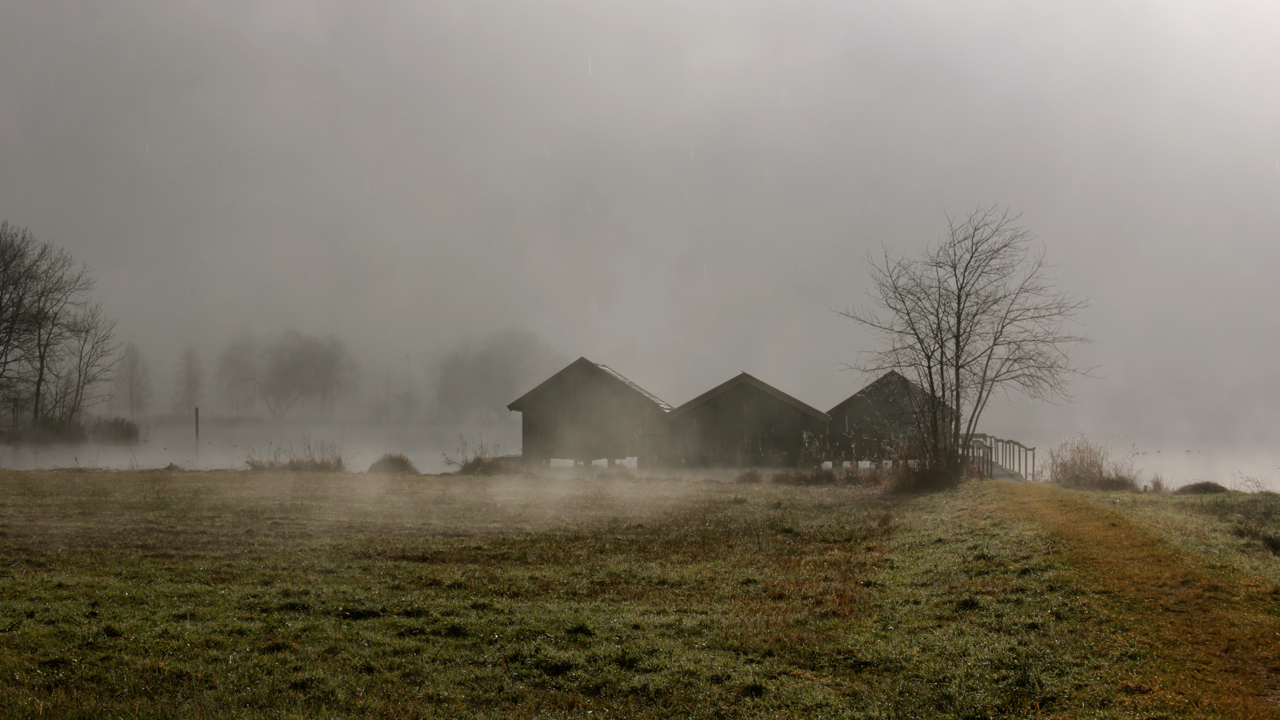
x=584 y=365
x=745 y=379
x=890 y=382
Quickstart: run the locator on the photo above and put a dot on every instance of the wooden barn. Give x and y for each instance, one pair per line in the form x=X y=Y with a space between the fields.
x=744 y=422
x=587 y=412
x=865 y=425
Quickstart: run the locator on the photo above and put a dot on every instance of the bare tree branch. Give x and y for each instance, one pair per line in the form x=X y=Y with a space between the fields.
x=973 y=316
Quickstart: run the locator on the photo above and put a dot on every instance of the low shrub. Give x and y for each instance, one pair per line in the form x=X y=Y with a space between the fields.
x=750 y=476
x=1079 y=464
x=116 y=430
x=1201 y=488
x=396 y=464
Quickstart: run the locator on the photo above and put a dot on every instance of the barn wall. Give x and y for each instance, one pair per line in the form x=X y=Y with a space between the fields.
x=867 y=425
x=585 y=416
x=743 y=426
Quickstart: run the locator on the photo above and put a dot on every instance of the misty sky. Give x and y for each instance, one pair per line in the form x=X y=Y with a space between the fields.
x=681 y=190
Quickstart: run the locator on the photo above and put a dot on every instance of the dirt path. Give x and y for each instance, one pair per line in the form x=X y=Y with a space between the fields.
x=1211 y=632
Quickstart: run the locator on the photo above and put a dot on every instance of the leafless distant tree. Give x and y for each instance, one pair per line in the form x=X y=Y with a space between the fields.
x=18 y=252
x=477 y=382
x=86 y=361
x=132 y=384
x=237 y=375
x=973 y=316
x=56 y=346
x=59 y=296
x=285 y=370
x=188 y=382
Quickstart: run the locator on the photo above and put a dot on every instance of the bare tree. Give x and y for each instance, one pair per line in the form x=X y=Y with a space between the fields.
x=87 y=359
x=975 y=315
x=476 y=383
x=18 y=250
x=133 y=381
x=297 y=367
x=289 y=368
x=56 y=346
x=188 y=382
x=237 y=375
x=59 y=296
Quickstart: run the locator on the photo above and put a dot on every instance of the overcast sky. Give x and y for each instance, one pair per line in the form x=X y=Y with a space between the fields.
x=682 y=190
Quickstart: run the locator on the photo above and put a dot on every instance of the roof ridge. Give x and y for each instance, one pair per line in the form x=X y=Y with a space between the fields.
x=759 y=385
x=665 y=407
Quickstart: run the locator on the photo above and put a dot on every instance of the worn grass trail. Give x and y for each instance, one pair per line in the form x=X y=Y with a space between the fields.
x=1215 y=634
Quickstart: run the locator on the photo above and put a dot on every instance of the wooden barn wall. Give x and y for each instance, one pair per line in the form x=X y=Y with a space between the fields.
x=742 y=426
x=584 y=417
x=867 y=427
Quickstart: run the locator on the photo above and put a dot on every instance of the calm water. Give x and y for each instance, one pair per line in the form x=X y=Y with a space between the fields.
x=227 y=446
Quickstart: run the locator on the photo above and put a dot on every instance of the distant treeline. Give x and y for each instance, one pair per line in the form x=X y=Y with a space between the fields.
x=292 y=375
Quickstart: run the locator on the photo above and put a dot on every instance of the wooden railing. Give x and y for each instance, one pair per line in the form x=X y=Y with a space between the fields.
x=988 y=451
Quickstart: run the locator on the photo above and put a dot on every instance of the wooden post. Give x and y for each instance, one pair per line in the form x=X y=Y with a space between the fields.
x=197 y=427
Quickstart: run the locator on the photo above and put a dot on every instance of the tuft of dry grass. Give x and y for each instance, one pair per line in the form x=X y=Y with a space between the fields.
x=1080 y=464
x=475 y=462
x=320 y=457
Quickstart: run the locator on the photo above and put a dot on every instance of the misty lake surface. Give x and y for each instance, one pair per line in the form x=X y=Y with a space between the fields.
x=226 y=446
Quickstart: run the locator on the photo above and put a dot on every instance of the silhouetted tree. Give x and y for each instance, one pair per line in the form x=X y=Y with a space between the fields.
x=973 y=316
x=86 y=361
x=56 y=346
x=132 y=384
x=188 y=382
x=237 y=375
x=18 y=252
x=59 y=295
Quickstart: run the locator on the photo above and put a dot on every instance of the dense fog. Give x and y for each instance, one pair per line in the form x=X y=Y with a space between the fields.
x=455 y=199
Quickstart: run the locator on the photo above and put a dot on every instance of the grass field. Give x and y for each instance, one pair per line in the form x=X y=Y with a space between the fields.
x=154 y=594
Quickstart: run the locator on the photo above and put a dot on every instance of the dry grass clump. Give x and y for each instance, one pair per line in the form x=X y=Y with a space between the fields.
x=475 y=462
x=1079 y=464
x=320 y=457
x=396 y=464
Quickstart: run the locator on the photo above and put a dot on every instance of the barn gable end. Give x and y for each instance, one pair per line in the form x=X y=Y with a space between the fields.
x=589 y=411
x=744 y=422
x=865 y=425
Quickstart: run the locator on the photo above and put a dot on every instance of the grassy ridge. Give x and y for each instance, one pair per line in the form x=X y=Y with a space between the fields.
x=271 y=595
